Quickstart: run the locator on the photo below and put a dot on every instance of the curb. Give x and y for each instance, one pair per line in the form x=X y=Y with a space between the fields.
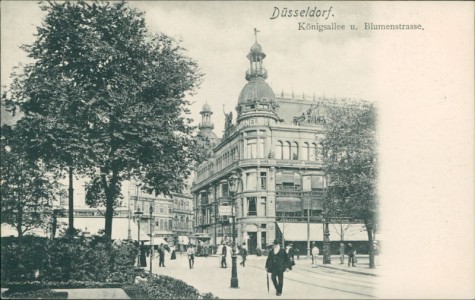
x=348 y=271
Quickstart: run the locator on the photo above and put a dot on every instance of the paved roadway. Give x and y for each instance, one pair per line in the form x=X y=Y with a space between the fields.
x=303 y=282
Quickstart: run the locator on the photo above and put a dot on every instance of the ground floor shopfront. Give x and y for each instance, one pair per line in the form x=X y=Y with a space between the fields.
x=260 y=233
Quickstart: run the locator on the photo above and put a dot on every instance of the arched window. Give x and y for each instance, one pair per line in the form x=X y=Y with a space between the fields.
x=304 y=153
x=319 y=152
x=286 y=152
x=311 y=153
x=278 y=150
x=294 y=151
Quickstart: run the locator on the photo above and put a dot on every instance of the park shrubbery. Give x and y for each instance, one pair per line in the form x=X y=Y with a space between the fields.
x=164 y=287
x=35 y=294
x=66 y=260
x=32 y=266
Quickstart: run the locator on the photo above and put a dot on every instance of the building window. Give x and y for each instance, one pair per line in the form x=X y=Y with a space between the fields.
x=251 y=182
x=304 y=154
x=263 y=207
x=294 y=151
x=278 y=150
x=252 y=148
x=263 y=180
x=319 y=152
x=251 y=205
x=224 y=188
x=170 y=224
x=286 y=152
x=312 y=152
x=261 y=147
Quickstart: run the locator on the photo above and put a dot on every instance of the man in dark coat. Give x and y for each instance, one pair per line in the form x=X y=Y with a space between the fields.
x=277 y=262
x=351 y=255
x=161 y=254
x=224 y=253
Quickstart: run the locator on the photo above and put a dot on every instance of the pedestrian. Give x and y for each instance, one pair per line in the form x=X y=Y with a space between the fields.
x=342 y=253
x=161 y=254
x=191 y=256
x=277 y=262
x=351 y=255
x=224 y=253
x=243 y=255
x=297 y=252
x=173 y=256
x=315 y=252
x=313 y=245
x=290 y=254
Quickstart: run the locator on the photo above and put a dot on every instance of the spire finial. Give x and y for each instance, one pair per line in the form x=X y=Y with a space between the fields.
x=255 y=33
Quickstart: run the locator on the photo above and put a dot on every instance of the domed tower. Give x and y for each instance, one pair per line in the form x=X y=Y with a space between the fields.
x=256 y=98
x=206 y=135
x=206 y=118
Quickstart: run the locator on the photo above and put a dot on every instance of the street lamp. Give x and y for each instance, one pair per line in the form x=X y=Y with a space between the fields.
x=233 y=182
x=326 y=240
x=138 y=215
x=151 y=237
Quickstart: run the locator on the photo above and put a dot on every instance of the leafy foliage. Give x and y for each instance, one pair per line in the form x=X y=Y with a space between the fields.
x=350 y=161
x=165 y=287
x=106 y=96
x=37 y=294
x=68 y=259
x=28 y=190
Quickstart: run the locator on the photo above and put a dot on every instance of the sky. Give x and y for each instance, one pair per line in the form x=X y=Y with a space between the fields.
x=422 y=82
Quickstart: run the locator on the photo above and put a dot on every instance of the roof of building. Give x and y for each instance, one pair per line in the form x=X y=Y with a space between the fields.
x=206 y=108
x=256 y=48
x=256 y=89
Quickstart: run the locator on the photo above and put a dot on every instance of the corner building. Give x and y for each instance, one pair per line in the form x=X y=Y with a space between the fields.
x=273 y=146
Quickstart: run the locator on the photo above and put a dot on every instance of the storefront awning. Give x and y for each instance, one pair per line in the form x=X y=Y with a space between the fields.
x=298 y=232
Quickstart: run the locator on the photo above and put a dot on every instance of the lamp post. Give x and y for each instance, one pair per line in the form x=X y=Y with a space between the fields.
x=326 y=240
x=151 y=237
x=233 y=182
x=138 y=215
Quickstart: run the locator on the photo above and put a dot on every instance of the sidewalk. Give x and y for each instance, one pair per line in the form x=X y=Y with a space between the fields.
x=362 y=267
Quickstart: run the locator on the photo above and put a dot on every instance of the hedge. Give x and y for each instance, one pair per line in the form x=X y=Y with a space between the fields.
x=165 y=287
x=38 y=294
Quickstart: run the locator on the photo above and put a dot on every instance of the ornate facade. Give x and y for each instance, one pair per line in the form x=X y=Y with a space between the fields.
x=274 y=147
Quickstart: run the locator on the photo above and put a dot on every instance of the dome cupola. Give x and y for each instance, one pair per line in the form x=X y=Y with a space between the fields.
x=256 y=95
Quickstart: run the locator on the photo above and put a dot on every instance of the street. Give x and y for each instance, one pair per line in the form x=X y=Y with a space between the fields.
x=303 y=282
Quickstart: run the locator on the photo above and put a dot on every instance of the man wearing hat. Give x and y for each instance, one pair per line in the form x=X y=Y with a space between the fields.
x=277 y=262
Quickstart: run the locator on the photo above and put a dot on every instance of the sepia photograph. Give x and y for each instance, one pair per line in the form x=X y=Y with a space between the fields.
x=237 y=150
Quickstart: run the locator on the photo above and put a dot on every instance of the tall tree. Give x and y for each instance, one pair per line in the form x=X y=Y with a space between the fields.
x=28 y=189
x=116 y=95
x=350 y=158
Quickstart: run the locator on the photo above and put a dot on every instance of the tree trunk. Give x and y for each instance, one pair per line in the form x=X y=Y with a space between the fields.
x=110 y=192
x=19 y=222
x=369 y=230
x=109 y=212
